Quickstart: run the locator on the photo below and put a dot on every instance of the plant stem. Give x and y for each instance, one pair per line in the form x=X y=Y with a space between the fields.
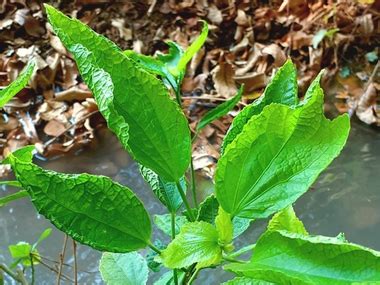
x=61 y=260
x=193 y=185
x=192 y=278
x=183 y=196
x=242 y=250
x=175 y=276
x=12 y=197
x=75 y=263
x=230 y=259
x=32 y=267
x=154 y=248
x=5 y=268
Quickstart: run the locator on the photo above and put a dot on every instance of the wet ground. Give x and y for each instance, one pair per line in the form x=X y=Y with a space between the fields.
x=346 y=198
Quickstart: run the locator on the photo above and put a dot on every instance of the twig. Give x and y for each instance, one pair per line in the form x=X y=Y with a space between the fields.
x=183 y=196
x=32 y=267
x=69 y=128
x=75 y=263
x=55 y=270
x=373 y=75
x=61 y=260
x=172 y=220
x=5 y=268
x=21 y=277
x=152 y=5
x=155 y=249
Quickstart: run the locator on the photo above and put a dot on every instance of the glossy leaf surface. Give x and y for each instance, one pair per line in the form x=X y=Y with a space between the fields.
x=277 y=157
x=282 y=89
x=93 y=210
x=286 y=220
x=135 y=103
x=16 y=86
x=298 y=259
x=196 y=242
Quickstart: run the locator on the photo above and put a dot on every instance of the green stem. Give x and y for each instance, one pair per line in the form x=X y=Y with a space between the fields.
x=193 y=185
x=230 y=259
x=32 y=267
x=242 y=250
x=4 y=268
x=183 y=196
x=154 y=248
x=12 y=197
x=172 y=214
x=192 y=278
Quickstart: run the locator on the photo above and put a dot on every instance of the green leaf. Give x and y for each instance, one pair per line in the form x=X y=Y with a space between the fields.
x=208 y=210
x=163 y=222
x=45 y=234
x=240 y=225
x=166 y=192
x=220 y=110
x=277 y=157
x=154 y=66
x=20 y=250
x=25 y=154
x=135 y=103
x=123 y=268
x=196 y=243
x=283 y=89
x=16 y=86
x=224 y=227
x=298 y=259
x=246 y=281
x=193 y=49
x=93 y=210
x=287 y=220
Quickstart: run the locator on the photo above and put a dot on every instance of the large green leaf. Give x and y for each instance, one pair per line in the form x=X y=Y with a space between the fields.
x=196 y=243
x=289 y=258
x=277 y=156
x=166 y=192
x=220 y=110
x=93 y=210
x=17 y=85
x=129 y=97
x=282 y=89
x=123 y=268
x=286 y=220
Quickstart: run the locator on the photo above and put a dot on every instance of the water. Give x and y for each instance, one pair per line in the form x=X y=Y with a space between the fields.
x=346 y=198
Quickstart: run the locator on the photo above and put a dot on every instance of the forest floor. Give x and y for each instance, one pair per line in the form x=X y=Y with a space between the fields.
x=248 y=41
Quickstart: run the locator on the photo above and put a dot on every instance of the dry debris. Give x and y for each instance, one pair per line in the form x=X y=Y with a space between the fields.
x=248 y=41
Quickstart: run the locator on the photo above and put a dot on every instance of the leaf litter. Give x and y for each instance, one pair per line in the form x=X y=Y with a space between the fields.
x=248 y=41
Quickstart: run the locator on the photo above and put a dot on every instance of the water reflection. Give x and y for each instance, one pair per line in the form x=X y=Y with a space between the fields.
x=346 y=198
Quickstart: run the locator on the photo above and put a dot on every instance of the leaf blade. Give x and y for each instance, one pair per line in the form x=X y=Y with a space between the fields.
x=89 y=208
x=293 y=143
x=135 y=103
x=299 y=259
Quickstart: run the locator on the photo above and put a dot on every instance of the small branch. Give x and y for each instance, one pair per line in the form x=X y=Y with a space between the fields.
x=154 y=248
x=193 y=185
x=32 y=267
x=61 y=260
x=192 y=278
x=183 y=196
x=172 y=220
x=56 y=271
x=373 y=75
x=75 y=263
x=242 y=250
x=5 y=268
x=13 y=197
